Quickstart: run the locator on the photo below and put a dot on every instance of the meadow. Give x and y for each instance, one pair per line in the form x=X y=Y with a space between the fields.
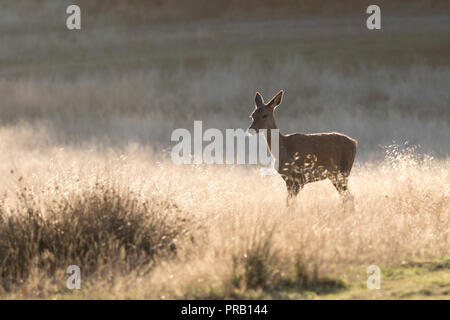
x=87 y=179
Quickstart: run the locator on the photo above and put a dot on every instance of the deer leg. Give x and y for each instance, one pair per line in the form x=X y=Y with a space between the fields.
x=340 y=182
x=293 y=188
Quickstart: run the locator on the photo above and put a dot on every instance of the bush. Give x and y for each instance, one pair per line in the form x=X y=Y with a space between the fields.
x=256 y=268
x=100 y=229
x=260 y=268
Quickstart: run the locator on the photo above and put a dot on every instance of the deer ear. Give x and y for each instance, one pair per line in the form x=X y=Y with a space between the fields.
x=259 y=101
x=276 y=100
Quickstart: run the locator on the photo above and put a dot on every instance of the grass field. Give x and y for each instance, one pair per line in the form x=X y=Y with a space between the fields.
x=85 y=125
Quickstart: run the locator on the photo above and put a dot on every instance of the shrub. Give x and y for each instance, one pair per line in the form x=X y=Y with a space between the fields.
x=260 y=268
x=98 y=229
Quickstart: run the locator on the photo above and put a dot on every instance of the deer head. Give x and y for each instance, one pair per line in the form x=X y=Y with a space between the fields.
x=262 y=116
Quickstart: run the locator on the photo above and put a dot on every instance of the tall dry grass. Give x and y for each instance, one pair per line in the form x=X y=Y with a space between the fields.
x=227 y=229
x=375 y=104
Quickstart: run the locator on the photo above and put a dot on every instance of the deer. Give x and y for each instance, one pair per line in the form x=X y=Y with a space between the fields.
x=305 y=158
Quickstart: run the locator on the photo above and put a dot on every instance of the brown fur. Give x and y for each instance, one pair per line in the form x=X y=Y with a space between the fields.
x=305 y=158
